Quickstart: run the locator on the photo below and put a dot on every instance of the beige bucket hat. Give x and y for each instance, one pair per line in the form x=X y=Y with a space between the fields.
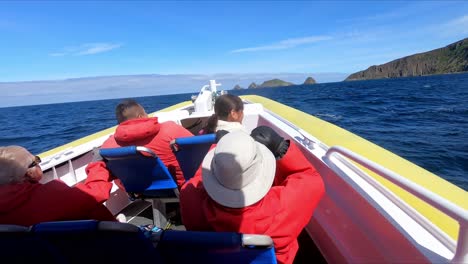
x=239 y=171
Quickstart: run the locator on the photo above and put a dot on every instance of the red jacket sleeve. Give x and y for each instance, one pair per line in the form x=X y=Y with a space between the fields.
x=299 y=189
x=192 y=198
x=98 y=184
x=93 y=209
x=69 y=203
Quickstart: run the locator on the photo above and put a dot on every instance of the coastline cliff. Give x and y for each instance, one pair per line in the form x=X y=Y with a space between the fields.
x=450 y=59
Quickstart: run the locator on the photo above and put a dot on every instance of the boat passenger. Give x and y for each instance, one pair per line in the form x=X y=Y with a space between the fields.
x=137 y=128
x=228 y=115
x=25 y=201
x=242 y=188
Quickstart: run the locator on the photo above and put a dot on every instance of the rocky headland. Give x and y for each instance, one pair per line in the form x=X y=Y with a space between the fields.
x=275 y=83
x=450 y=59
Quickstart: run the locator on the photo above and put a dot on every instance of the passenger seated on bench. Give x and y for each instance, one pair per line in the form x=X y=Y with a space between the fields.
x=136 y=128
x=25 y=201
x=242 y=188
x=229 y=112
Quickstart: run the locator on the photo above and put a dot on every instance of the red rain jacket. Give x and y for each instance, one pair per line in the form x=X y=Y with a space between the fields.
x=281 y=214
x=151 y=134
x=31 y=203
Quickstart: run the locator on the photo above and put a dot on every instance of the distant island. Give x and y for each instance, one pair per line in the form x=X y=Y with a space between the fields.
x=309 y=81
x=450 y=59
x=252 y=86
x=275 y=83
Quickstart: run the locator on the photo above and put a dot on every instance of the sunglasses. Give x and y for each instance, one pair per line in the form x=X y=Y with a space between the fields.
x=37 y=160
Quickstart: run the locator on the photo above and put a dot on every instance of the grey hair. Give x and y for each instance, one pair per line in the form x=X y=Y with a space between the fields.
x=13 y=164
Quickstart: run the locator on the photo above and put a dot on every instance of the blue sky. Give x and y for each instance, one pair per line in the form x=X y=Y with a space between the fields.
x=55 y=40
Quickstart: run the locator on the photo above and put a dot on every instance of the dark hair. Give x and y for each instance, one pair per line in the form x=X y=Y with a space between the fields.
x=127 y=109
x=224 y=104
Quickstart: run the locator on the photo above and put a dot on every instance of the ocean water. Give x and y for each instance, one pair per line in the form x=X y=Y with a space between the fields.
x=422 y=119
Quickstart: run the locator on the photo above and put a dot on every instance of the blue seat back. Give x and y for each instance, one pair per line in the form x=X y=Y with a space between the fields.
x=214 y=247
x=88 y=241
x=139 y=169
x=19 y=245
x=190 y=152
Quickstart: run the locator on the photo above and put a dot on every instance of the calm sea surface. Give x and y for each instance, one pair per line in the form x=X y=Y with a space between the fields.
x=422 y=119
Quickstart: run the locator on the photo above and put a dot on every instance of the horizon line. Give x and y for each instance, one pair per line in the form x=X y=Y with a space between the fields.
x=164 y=74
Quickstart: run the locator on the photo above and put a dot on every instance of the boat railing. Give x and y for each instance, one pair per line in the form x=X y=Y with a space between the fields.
x=306 y=139
x=460 y=248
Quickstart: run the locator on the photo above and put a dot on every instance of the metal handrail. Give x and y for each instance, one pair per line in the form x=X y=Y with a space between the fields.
x=147 y=150
x=306 y=140
x=452 y=210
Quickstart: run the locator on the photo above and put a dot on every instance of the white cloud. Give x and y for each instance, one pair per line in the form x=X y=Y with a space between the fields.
x=458 y=25
x=86 y=49
x=285 y=44
x=57 y=54
x=382 y=16
x=450 y=29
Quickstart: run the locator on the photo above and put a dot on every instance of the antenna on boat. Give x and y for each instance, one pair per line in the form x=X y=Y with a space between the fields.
x=205 y=100
x=213 y=86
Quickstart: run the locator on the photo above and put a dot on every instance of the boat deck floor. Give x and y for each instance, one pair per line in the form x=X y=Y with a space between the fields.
x=143 y=215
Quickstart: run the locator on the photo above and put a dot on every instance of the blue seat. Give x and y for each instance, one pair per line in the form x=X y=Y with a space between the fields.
x=89 y=241
x=139 y=169
x=215 y=247
x=144 y=176
x=19 y=245
x=190 y=152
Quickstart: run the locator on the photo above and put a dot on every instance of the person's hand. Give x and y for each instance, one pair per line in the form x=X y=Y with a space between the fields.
x=220 y=134
x=274 y=142
x=96 y=155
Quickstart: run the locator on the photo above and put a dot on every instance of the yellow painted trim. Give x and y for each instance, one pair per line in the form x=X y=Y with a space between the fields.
x=333 y=135
x=78 y=142
x=173 y=107
x=102 y=133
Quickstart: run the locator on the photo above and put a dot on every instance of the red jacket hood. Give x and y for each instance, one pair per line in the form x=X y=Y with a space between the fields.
x=136 y=129
x=13 y=195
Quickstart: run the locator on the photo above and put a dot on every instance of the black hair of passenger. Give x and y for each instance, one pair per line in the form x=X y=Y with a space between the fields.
x=224 y=104
x=122 y=107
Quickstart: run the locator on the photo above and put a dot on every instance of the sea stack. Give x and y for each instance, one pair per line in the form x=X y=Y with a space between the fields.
x=309 y=81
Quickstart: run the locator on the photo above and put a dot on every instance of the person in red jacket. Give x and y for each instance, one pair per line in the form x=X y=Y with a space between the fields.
x=242 y=188
x=136 y=128
x=25 y=201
